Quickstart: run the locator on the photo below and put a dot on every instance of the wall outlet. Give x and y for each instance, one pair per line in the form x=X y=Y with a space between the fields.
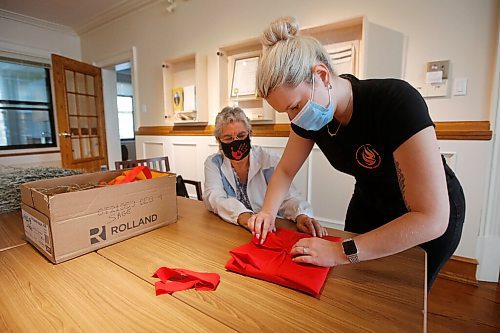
x=433 y=89
x=437 y=89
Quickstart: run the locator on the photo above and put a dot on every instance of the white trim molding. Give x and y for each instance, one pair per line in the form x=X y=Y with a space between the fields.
x=488 y=250
x=488 y=246
x=121 y=9
x=6 y=14
x=25 y=52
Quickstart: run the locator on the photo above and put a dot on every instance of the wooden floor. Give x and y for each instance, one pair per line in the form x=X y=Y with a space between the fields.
x=457 y=307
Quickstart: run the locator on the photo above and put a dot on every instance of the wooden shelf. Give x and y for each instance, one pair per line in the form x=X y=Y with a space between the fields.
x=453 y=130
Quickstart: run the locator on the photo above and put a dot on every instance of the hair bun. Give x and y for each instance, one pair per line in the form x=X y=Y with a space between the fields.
x=284 y=28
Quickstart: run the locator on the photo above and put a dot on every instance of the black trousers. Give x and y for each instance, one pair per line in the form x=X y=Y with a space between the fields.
x=364 y=215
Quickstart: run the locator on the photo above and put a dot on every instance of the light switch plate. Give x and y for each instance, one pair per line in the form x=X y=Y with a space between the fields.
x=460 y=87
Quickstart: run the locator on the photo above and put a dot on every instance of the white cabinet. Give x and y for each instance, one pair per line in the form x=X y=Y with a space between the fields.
x=356 y=46
x=378 y=52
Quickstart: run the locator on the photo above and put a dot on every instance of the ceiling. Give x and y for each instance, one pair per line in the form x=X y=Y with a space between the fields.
x=78 y=15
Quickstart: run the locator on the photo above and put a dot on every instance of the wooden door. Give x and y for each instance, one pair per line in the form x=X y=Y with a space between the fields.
x=80 y=114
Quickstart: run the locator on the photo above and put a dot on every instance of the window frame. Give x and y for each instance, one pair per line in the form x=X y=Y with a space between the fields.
x=49 y=104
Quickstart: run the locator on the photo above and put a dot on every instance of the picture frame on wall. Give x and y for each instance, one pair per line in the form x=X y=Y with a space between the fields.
x=244 y=81
x=178 y=99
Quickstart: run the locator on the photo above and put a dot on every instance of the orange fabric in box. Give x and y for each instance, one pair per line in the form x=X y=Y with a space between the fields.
x=137 y=173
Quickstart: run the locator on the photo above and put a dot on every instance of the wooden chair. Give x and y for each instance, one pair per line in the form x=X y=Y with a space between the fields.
x=161 y=164
x=155 y=163
x=182 y=190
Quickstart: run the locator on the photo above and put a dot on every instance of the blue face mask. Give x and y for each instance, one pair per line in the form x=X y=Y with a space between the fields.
x=313 y=116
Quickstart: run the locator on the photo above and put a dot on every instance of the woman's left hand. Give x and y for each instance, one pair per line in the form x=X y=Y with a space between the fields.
x=319 y=252
x=310 y=226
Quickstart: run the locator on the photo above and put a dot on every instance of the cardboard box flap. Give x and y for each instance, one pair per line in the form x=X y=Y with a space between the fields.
x=26 y=197
x=67 y=206
x=32 y=196
x=76 y=179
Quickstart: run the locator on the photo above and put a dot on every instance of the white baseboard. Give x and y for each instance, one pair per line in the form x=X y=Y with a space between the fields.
x=488 y=250
x=339 y=225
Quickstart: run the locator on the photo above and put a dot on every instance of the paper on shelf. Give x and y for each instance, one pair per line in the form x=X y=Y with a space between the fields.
x=189 y=98
x=434 y=77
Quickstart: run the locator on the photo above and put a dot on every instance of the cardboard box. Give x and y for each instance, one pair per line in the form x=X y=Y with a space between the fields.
x=66 y=225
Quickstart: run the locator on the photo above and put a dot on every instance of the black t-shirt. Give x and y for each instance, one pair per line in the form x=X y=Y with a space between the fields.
x=386 y=113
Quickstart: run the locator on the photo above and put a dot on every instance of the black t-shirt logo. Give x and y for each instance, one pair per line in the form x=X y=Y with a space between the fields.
x=368 y=157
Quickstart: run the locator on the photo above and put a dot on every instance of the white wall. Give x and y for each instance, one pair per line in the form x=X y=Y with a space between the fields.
x=38 y=40
x=463 y=31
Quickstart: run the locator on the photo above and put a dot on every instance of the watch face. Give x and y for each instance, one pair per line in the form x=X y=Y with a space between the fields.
x=349 y=247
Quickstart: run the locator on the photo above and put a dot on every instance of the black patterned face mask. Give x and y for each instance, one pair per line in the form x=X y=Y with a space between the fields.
x=236 y=150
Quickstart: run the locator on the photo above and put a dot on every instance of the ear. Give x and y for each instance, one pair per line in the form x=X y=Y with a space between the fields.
x=322 y=71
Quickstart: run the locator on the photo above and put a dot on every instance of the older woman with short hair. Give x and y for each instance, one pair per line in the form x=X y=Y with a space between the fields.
x=236 y=177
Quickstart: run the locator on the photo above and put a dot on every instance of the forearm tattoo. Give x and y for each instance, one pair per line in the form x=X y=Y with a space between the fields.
x=402 y=185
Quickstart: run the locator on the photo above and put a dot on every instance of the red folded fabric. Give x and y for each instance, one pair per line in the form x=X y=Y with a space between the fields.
x=272 y=262
x=176 y=279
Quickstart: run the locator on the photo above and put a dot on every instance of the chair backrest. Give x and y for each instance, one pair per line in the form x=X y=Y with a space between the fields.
x=161 y=164
x=181 y=189
x=155 y=163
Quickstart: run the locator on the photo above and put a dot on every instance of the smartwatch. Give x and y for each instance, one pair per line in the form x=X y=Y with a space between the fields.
x=350 y=250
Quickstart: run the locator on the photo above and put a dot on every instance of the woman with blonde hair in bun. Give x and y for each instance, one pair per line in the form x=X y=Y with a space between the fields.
x=378 y=131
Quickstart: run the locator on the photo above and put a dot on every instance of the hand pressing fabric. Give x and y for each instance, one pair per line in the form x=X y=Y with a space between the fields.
x=310 y=226
x=319 y=252
x=272 y=261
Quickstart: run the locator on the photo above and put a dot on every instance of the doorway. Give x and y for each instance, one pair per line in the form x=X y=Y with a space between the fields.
x=119 y=77
x=125 y=105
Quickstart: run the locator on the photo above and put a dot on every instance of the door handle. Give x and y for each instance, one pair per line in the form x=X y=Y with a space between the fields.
x=65 y=134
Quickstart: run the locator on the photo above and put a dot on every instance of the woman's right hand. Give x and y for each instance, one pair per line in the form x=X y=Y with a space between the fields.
x=261 y=224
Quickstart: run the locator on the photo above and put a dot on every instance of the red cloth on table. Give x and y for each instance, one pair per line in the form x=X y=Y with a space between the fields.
x=272 y=262
x=176 y=279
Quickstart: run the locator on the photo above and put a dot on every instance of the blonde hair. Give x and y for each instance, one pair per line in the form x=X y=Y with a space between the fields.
x=230 y=115
x=288 y=58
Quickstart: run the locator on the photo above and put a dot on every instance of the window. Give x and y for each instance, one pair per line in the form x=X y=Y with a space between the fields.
x=26 y=115
x=125 y=117
x=125 y=102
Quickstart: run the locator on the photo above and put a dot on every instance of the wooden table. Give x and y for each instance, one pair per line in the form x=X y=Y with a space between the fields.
x=112 y=290
x=387 y=294
x=11 y=230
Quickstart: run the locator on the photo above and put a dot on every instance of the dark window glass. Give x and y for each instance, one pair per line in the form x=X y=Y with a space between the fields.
x=26 y=115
